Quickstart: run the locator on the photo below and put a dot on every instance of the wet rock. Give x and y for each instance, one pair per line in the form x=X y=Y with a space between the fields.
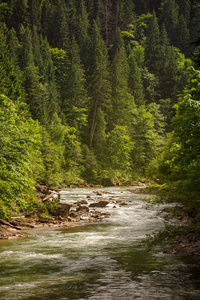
x=99 y=193
x=44 y=220
x=9 y=233
x=101 y=203
x=62 y=209
x=70 y=219
x=82 y=202
x=82 y=208
x=73 y=214
x=42 y=189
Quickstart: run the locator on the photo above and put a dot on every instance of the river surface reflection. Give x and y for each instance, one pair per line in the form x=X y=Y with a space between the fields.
x=105 y=260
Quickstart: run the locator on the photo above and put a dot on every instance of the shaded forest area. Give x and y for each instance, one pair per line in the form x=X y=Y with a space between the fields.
x=98 y=91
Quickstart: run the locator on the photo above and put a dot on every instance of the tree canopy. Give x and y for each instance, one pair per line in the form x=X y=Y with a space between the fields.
x=89 y=90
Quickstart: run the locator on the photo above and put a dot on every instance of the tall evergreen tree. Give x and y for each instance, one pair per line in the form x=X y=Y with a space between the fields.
x=152 y=44
x=122 y=101
x=34 y=13
x=169 y=16
x=82 y=34
x=100 y=87
x=10 y=75
x=183 y=35
x=135 y=81
x=76 y=82
x=30 y=73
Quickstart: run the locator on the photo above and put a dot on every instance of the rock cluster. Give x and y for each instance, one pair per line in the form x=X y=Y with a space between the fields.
x=64 y=214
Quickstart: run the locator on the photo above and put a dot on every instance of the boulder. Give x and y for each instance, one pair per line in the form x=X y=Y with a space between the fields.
x=82 y=208
x=42 y=189
x=74 y=216
x=82 y=202
x=101 y=203
x=63 y=209
x=99 y=193
x=123 y=203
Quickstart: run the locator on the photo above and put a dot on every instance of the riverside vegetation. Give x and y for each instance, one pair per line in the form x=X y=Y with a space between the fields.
x=102 y=92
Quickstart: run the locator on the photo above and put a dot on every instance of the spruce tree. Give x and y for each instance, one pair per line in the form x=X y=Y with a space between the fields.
x=183 y=36
x=30 y=74
x=100 y=86
x=169 y=16
x=82 y=34
x=152 y=44
x=135 y=80
x=122 y=101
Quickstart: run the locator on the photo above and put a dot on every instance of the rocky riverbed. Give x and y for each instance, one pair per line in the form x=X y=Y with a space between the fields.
x=85 y=211
x=66 y=214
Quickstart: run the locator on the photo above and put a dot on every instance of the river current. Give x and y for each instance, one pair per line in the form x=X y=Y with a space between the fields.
x=104 y=260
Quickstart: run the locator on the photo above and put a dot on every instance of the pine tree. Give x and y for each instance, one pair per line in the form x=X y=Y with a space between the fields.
x=122 y=101
x=82 y=33
x=183 y=35
x=124 y=13
x=184 y=9
x=135 y=81
x=34 y=13
x=169 y=16
x=14 y=45
x=30 y=73
x=152 y=44
x=17 y=14
x=10 y=75
x=57 y=30
x=36 y=48
x=76 y=82
x=100 y=87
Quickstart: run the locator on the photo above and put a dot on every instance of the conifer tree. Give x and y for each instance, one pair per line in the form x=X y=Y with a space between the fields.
x=17 y=15
x=10 y=75
x=152 y=44
x=100 y=87
x=183 y=35
x=36 y=48
x=169 y=16
x=34 y=13
x=122 y=101
x=184 y=9
x=76 y=81
x=30 y=73
x=135 y=81
x=82 y=35
x=124 y=13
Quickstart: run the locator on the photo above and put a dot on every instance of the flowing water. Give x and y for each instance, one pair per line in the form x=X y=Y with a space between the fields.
x=104 y=260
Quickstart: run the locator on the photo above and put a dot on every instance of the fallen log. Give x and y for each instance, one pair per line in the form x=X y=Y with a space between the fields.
x=3 y=222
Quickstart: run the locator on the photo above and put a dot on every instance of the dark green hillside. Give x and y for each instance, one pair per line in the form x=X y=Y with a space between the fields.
x=88 y=90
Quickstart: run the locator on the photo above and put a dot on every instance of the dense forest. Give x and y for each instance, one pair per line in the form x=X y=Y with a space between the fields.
x=98 y=91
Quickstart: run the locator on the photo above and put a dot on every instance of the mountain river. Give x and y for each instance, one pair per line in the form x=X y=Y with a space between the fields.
x=103 y=260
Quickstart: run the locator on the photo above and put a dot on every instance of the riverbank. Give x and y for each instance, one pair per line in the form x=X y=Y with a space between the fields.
x=60 y=215
x=91 y=210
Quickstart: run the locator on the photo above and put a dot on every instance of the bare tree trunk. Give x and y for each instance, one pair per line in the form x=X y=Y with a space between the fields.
x=93 y=126
x=117 y=16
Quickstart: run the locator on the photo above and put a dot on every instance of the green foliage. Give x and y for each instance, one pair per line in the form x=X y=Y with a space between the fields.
x=19 y=138
x=185 y=142
x=101 y=93
x=179 y=163
x=145 y=138
x=118 y=152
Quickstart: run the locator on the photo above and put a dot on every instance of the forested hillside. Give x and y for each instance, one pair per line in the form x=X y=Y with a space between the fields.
x=88 y=91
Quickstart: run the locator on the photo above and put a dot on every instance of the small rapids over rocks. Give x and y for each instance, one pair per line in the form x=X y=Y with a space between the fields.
x=104 y=260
